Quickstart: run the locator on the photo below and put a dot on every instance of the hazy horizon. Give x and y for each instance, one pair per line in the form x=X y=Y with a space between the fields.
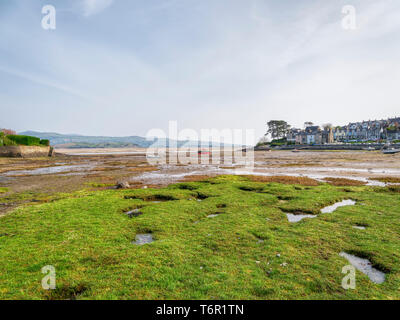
x=121 y=68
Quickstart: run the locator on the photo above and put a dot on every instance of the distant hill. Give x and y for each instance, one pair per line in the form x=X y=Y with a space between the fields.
x=79 y=141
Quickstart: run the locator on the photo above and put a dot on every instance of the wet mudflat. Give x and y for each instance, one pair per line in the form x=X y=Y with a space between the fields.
x=69 y=172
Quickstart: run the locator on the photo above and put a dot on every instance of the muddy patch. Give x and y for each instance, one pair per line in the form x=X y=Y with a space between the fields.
x=200 y=196
x=4 y=235
x=286 y=198
x=337 y=205
x=251 y=189
x=185 y=186
x=66 y=292
x=134 y=213
x=387 y=179
x=142 y=239
x=365 y=266
x=341 y=182
x=156 y=198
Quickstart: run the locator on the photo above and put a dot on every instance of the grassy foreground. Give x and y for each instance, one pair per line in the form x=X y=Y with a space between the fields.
x=3 y=190
x=248 y=251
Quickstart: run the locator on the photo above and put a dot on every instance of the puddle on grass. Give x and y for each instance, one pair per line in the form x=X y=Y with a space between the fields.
x=298 y=217
x=337 y=205
x=212 y=215
x=134 y=213
x=359 y=227
x=142 y=239
x=365 y=266
x=216 y=214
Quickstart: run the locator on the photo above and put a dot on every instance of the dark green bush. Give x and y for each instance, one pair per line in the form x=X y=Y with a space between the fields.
x=24 y=140
x=45 y=142
x=280 y=142
x=4 y=141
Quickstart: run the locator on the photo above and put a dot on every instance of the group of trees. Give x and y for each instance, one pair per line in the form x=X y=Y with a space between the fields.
x=8 y=132
x=278 y=129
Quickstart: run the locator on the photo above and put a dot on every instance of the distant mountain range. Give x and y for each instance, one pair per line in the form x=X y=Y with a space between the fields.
x=79 y=141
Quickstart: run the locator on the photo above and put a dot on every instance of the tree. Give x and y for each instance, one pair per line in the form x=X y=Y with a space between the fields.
x=277 y=129
x=8 y=132
x=263 y=141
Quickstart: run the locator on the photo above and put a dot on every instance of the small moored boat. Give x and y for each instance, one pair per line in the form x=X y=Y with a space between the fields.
x=390 y=151
x=203 y=152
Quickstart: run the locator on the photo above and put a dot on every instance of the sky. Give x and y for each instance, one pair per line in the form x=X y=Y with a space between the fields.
x=124 y=67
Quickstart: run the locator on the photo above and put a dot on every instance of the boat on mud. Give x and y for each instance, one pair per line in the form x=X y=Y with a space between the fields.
x=388 y=149
x=202 y=152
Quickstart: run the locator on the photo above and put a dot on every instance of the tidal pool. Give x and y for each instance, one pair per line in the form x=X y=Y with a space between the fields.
x=337 y=205
x=298 y=217
x=212 y=215
x=142 y=239
x=365 y=266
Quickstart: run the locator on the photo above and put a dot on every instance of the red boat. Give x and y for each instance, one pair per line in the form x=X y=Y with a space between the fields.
x=203 y=152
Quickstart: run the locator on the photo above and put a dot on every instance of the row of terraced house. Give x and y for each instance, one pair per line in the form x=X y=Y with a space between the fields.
x=365 y=131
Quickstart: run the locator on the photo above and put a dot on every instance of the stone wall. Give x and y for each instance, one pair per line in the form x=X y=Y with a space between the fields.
x=25 y=151
x=335 y=147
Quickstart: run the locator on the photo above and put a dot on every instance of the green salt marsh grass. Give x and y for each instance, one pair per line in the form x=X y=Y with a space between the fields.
x=249 y=250
x=3 y=190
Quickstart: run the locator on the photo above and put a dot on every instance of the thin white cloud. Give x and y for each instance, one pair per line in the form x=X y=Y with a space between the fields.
x=92 y=7
x=46 y=82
